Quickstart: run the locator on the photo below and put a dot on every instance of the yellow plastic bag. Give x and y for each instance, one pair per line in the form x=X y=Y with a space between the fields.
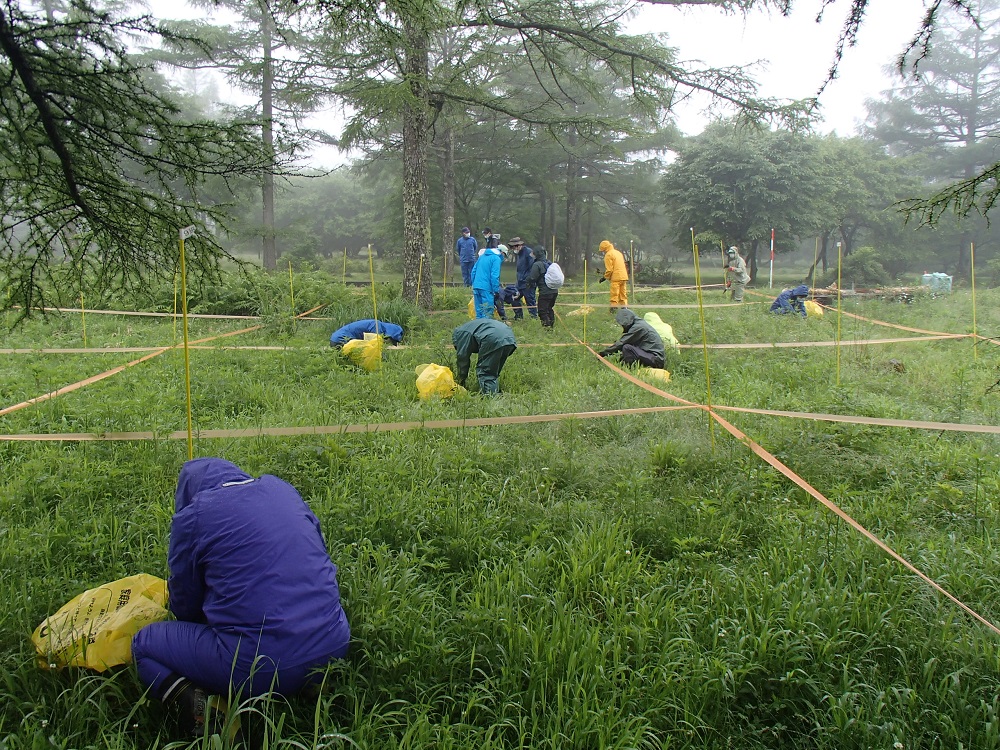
x=654 y=375
x=813 y=310
x=435 y=380
x=95 y=629
x=365 y=354
x=472 y=309
x=664 y=329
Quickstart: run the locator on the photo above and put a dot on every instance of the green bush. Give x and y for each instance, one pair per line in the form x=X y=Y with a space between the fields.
x=862 y=268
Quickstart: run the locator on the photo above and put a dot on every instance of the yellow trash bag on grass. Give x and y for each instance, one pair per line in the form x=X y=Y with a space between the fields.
x=95 y=629
x=654 y=375
x=813 y=310
x=365 y=354
x=472 y=309
x=435 y=380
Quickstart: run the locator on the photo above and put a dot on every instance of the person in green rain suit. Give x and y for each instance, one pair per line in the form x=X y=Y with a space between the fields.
x=493 y=341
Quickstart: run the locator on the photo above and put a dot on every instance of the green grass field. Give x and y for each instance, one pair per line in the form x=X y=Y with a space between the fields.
x=616 y=582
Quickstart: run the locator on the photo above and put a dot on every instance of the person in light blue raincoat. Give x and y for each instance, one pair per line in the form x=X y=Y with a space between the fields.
x=252 y=587
x=359 y=328
x=791 y=300
x=486 y=281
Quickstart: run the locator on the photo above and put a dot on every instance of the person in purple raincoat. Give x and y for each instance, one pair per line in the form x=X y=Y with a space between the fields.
x=252 y=587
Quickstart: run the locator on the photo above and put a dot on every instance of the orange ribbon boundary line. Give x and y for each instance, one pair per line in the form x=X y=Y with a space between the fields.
x=120 y=368
x=837 y=510
x=142 y=314
x=771 y=459
x=81 y=383
x=338 y=429
x=877 y=421
x=766 y=345
x=113 y=371
x=853 y=342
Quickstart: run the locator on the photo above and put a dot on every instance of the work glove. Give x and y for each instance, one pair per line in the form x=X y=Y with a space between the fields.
x=728 y=284
x=603 y=279
x=603 y=353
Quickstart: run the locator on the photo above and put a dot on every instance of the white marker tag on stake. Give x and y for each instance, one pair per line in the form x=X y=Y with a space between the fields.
x=187 y=232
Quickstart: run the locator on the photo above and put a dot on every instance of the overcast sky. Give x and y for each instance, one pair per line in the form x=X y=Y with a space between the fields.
x=797 y=50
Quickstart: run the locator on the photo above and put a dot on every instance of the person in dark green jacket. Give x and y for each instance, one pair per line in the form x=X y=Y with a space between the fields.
x=492 y=341
x=639 y=342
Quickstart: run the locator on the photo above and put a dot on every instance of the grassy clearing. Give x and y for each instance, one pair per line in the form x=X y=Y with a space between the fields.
x=590 y=583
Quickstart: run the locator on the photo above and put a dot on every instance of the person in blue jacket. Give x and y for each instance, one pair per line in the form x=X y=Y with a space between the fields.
x=525 y=261
x=467 y=249
x=791 y=300
x=359 y=328
x=486 y=281
x=493 y=342
x=252 y=587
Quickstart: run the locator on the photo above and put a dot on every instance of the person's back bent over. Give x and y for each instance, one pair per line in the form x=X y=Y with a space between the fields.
x=493 y=341
x=252 y=586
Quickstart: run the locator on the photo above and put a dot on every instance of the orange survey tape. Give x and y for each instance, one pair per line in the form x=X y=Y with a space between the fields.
x=763 y=345
x=852 y=342
x=81 y=384
x=988 y=429
x=150 y=314
x=120 y=368
x=112 y=371
x=440 y=424
x=808 y=488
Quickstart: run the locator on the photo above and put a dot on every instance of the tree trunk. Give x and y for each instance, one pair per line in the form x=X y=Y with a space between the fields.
x=571 y=259
x=550 y=238
x=448 y=201
x=269 y=254
x=416 y=216
x=820 y=257
x=543 y=220
x=752 y=260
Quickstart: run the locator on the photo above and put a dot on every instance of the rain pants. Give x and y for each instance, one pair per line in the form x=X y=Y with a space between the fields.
x=492 y=341
x=251 y=584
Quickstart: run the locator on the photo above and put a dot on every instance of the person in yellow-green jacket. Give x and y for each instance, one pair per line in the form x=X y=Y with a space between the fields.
x=615 y=272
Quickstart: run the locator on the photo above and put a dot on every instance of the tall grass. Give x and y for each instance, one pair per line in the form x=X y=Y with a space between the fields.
x=609 y=583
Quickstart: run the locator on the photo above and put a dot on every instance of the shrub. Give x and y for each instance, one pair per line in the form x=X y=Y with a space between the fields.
x=860 y=268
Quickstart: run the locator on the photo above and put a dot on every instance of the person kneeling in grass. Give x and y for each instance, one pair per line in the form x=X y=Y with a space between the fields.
x=493 y=342
x=639 y=342
x=254 y=592
x=358 y=329
x=791 y=300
